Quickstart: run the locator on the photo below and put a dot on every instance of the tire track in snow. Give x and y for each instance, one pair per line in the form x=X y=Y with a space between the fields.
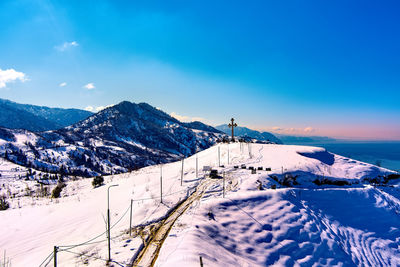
x=149 y=254
x=363 y=247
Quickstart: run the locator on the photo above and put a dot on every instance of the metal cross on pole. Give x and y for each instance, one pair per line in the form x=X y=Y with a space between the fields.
x=232 y=125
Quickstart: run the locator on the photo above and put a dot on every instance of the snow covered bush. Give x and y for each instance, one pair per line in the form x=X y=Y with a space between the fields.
x=97 y=181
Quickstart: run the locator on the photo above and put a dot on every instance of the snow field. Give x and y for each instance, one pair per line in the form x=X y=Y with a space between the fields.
x=251 y=229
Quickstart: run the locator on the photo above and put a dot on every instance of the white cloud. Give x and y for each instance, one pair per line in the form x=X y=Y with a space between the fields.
x=292 y=130
x=89 y=108
x=186 y=118
x=97 y=109
x=277 y=128
x=11 y=75
x=309 y=129
x=102 y=107
x=63 y=84
x=66 y=46
x=89 y=86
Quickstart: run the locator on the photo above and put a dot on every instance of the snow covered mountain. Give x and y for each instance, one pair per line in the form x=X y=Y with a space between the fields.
x=37 y=118
x=246 y=132
x=118 y=139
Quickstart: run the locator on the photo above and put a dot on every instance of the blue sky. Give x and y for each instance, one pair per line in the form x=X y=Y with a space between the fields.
x=307 y=68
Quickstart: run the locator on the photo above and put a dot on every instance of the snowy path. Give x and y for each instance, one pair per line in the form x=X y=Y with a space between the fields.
x=149 y=254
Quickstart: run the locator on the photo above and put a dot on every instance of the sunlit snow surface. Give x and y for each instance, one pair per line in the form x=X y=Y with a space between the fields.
x=304 y=226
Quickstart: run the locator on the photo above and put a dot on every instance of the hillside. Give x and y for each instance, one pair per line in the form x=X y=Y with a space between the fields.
x=37 y=118
x=303 y=224
x=123 y=137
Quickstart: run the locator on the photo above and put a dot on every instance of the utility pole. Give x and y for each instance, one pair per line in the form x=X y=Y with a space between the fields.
x=108 y=221
x=228 y=154
x=55 y=256
x=249 y=148
x=161 y=183
x=219 y=156
x=130 y=220
x=197 y=166
x=182 y=173
x=232 y=125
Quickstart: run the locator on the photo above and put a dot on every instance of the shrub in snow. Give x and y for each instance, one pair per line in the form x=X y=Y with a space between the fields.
x=57 y=190
x=392 y=177
x=43 y=191
x=259 y=186
x=376 y=180
x=330 y=182
x=97 y=181
x=289 y=180
x=3 y=203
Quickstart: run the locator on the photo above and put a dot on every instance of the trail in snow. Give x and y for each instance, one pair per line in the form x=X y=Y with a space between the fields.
x=149 y=254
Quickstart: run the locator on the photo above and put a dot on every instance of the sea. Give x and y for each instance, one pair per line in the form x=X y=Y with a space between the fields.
x=384 y=154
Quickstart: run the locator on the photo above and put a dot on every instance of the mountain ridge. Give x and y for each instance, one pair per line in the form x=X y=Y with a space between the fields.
x=117 y=139
x=247 y=132
x=38 y=118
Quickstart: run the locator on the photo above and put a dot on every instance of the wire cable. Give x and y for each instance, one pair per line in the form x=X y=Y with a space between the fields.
x=94 y=238
x=46 y=259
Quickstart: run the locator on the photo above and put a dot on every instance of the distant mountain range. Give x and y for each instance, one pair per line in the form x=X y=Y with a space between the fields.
x=296 y=140
x=246 y=132
x=117 y=139
x=38 y=118
x=278 y=138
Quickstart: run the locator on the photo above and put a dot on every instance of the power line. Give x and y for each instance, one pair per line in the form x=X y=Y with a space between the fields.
x=94 y=257
x=94 y=238
x=254 y=219
x=46 y=259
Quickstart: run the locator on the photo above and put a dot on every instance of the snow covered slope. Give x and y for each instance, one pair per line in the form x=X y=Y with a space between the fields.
x=354 y=225
x=304 y=225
